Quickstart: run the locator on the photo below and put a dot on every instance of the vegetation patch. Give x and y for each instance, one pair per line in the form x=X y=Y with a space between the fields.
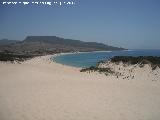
x=97 y=69
x=14 y=57
x=141 y=60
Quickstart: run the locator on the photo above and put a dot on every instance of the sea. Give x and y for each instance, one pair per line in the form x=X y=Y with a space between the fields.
x=87 y=59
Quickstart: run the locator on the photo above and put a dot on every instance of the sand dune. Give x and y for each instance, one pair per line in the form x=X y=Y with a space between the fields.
x=39 y=89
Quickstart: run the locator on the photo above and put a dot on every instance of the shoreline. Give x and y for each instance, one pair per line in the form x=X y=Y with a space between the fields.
x=61 y=54
x=81 y=66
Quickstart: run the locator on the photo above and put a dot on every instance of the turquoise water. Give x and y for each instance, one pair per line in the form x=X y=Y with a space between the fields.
x=92 y=58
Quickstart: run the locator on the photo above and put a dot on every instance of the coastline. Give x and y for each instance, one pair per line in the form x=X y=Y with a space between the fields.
x=68 y=53
x=80 y=52
x=42 y=89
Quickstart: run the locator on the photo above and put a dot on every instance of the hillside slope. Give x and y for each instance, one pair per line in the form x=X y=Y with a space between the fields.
x=53 y=44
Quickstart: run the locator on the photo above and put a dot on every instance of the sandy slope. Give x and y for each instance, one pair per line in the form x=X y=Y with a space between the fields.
x=42 y=90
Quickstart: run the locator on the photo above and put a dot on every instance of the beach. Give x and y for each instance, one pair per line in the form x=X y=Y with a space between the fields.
x=40 y=89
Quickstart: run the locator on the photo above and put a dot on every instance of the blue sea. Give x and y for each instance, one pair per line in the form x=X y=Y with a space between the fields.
x=92 y=58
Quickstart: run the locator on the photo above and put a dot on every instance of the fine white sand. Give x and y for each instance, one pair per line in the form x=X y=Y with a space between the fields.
x=39 y=89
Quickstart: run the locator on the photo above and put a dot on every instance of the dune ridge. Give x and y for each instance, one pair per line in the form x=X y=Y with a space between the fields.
x=40 y=89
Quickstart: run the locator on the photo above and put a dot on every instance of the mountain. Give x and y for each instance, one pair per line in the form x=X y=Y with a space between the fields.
x=53 y=44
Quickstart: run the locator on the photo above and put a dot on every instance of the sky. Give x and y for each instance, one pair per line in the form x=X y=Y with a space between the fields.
x=132 y=24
